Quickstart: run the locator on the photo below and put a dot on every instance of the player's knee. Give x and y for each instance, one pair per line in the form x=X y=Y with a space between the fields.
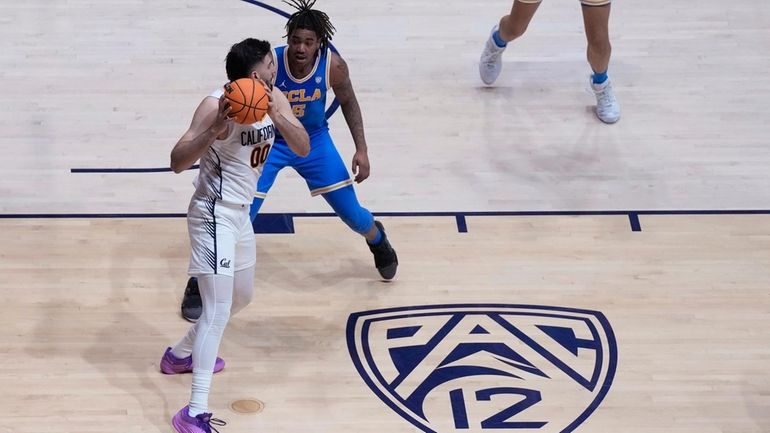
x=599 y=45
x=359 y=220
x=215 y=319
x=221 y=317
x=345 y=204
x=241 y=298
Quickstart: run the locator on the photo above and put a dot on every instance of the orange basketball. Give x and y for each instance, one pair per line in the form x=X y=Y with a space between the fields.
x=248 y=100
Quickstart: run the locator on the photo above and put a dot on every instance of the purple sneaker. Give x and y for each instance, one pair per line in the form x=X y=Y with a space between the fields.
x=184 y=423
x=170 y=364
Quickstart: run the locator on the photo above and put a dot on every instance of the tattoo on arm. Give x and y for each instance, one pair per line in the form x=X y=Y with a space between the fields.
x=343 y=90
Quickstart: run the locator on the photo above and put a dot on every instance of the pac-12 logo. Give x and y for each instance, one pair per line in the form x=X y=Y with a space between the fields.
x=486 y=368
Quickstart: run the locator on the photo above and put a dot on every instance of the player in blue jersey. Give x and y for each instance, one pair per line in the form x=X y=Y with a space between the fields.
x=307 y=69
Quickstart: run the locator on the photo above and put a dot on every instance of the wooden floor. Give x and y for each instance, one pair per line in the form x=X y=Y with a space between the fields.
x=88 y=315
x=90 y=303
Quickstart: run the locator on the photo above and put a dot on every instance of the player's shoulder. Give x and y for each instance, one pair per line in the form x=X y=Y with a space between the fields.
x=337 y=62
x=337 y=69
x=333 y=55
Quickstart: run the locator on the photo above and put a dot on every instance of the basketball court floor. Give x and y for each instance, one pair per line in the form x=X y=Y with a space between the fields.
x=556 y=274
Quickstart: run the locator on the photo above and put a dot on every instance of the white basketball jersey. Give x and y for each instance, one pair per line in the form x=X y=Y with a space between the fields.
x=230 y=168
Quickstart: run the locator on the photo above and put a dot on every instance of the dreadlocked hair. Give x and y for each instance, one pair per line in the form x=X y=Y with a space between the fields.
x=311 y=19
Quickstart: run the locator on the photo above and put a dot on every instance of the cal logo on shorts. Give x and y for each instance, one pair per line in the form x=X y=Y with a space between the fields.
x=486 y=368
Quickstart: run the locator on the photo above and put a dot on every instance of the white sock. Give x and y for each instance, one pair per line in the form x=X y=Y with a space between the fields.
x=199 y=397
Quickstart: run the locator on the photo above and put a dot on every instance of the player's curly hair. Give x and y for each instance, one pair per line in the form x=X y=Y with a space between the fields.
x=311 y=19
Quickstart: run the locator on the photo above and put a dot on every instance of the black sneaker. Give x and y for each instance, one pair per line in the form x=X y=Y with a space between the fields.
x=192 y=305
x=385 y=258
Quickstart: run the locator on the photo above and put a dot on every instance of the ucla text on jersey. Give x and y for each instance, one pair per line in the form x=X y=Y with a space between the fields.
x=307 y=95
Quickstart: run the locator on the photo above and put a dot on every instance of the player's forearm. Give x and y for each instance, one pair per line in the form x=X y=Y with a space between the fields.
x=295 y=135
x=186 y=152
x=352 y=113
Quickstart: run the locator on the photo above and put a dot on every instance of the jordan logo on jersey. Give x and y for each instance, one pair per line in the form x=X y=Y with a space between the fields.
x=495 y=368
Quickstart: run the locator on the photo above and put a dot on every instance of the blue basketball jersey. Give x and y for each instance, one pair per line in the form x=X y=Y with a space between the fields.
x=307 y=95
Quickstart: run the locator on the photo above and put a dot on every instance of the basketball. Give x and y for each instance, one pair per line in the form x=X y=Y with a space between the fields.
x=248 y=100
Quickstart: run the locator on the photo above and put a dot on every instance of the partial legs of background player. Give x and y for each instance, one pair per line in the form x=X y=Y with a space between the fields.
x=511 y=26
x=596 y=21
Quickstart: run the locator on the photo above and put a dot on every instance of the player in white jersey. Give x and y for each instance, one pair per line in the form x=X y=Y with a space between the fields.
x=223 y=251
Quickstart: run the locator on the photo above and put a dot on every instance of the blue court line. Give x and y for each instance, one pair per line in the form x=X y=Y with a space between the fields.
x=127 y=170
x=284 y=222
x=268 y=7
x=91 y=215
x=633 y=218
x=462 y=226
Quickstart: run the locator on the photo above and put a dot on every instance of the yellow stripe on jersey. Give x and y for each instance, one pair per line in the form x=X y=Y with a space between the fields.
x=330 y=188
x=328 y=68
